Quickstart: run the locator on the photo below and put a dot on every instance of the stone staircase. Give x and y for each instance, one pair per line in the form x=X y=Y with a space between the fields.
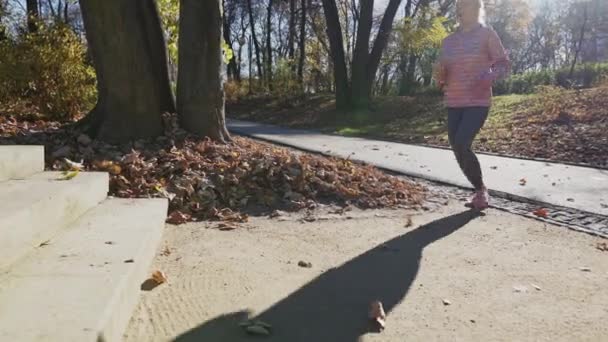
x=71 y=260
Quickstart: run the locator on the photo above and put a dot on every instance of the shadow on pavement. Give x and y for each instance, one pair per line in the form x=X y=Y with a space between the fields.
x=333 y=307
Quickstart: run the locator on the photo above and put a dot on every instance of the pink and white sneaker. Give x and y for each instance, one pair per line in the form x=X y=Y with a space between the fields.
x=481 y=200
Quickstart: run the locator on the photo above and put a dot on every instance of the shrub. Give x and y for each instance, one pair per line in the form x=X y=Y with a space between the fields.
x=47 y=70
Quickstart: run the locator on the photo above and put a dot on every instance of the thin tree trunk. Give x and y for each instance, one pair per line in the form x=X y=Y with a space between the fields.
x=580 y=42
x=386 y=27
x=228 y=19
x=250 y=52
x=66 y=17
x=33 y=15
x=269 y=45
x=291 y=42
x=258 y=61
x=302 y=43
x=336 y=44
x=129 y=54
x=200 y=85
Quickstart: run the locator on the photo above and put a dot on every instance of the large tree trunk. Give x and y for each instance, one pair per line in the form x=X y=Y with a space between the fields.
x=336 y=45
x=33 y=14
x=360 y=95
x=302 y=43
x=200 y=85
x=269 y=45
x=130 y=58
x=258 y=61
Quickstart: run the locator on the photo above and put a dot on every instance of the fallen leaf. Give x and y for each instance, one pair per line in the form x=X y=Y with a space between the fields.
x=109 y=242
x=519 y=289
x=177 y=217
x=570 y=199
x=129 y=261
x=523 y=182
x=377 y=314
x=257 y=330
x=67 y=175
x=305 y=264
x=226 y=227
x=585 y=269
x=446 y=302
x=166 y=251
x=45 y=243
x=536 y=287
x=493 y=167
x=409 y=222
x=73 y=166
x=541 y=212
x=602 y=246
x=159 y=277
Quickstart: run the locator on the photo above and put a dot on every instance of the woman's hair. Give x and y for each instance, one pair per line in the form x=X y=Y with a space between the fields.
x=482 y=10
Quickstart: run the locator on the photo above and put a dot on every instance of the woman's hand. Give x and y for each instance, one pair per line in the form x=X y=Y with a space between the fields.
x=439 y=73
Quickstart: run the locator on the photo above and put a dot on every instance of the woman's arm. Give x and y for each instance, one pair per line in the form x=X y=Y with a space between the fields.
x=500 y=65
x=440 y=70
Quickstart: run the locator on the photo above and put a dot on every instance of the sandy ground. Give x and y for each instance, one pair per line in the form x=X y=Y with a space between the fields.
x=507 y=278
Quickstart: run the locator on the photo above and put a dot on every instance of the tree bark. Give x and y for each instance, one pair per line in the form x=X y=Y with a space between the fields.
x=302 y=43
x=129 y=54
x=227 y=23
x=360 y=95
x=255 y=41
x=33 y=15
x=291 y=42
x=386 y=27
x=200 y=85
x=269 y=45
x=336 y=45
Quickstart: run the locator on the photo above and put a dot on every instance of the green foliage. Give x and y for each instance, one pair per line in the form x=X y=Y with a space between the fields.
x=421 y=33
x=47 y=70
x=169 y=15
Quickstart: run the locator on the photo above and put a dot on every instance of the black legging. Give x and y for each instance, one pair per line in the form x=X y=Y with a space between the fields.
x=463 y=126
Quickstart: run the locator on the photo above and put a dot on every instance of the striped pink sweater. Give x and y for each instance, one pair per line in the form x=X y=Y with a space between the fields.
x=470 y=62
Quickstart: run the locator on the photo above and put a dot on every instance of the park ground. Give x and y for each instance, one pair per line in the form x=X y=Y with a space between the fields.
x=449 y=276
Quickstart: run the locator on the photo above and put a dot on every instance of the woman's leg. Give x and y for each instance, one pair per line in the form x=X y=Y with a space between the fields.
x=463 y=126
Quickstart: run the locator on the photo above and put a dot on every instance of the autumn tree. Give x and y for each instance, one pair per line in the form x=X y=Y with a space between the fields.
x=357 y=92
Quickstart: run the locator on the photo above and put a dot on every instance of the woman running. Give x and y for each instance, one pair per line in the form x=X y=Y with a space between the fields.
x=472 y=58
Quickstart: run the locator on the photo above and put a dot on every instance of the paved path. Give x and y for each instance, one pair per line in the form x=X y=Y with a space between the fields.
x=575 y=187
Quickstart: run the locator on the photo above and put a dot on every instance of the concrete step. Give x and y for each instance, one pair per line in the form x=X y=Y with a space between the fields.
x=18 y=162
x=33 y=210
x=79 y=287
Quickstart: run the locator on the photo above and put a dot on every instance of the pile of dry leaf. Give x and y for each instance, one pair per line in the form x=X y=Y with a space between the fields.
x=207 y=180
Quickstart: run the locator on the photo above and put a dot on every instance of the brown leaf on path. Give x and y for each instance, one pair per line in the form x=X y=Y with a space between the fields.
x=446 y=302
x=377 y=314
x=409 y=222
x=305 y=264
x=159 y=277
x=166 y=251
x=523 y=182
x=177 y=217
x=602 y=246
x=541 y=212
x=226 y=226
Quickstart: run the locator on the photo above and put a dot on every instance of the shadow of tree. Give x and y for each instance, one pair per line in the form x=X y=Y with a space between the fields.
x=333 y=307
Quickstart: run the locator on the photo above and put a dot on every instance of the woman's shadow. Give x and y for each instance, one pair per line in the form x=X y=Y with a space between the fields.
x=333 y=307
